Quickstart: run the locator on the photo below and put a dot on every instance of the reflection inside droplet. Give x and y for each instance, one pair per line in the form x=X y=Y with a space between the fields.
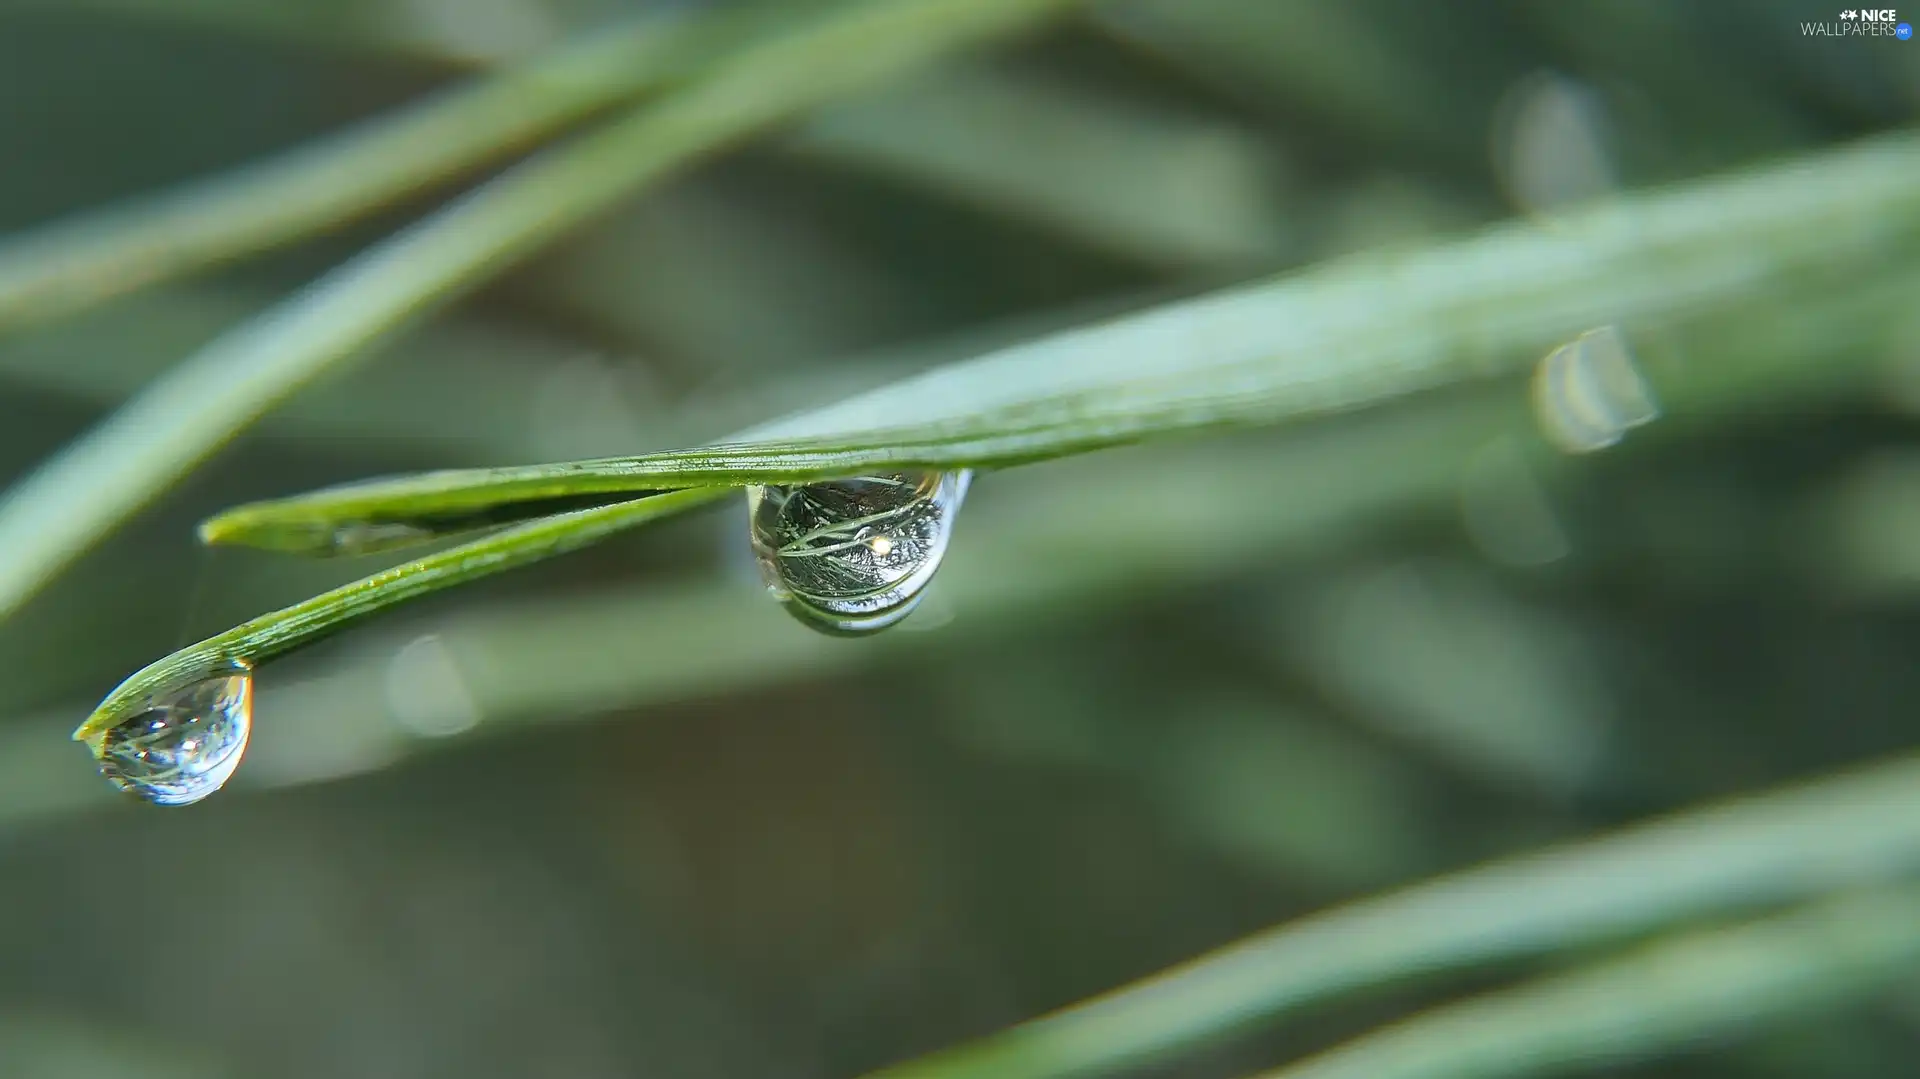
x=855 y=555
x=186 y=744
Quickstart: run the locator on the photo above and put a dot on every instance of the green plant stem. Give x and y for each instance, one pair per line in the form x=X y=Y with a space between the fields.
x=68 y=265
x=74 y=498
x=1088 y=534
x=1355 y=332
x=1826 y=836
x=307 y=621
x=1701 y=988
x=1049 y=544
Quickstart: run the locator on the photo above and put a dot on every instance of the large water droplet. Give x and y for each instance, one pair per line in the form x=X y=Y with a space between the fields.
x=854 y=556
x=186 y=744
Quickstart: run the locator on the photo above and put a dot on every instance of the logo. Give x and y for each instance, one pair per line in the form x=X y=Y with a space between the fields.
x=1861 y=22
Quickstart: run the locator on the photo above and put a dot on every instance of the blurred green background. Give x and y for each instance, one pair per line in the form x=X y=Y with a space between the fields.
x=616 y=815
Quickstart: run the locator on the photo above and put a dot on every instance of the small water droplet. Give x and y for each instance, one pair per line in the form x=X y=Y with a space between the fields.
x=1552 y=144
x=427 y=692
x=1506 y=511
x=1589 y=392
x=186 y=744
x=854 y=556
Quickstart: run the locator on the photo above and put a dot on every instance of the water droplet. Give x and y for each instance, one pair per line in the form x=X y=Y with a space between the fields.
x=1552 y=144
x=427 y=692
x=854 y=556
x=1506 y=511
x=186 y=743
x=1589 y=392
